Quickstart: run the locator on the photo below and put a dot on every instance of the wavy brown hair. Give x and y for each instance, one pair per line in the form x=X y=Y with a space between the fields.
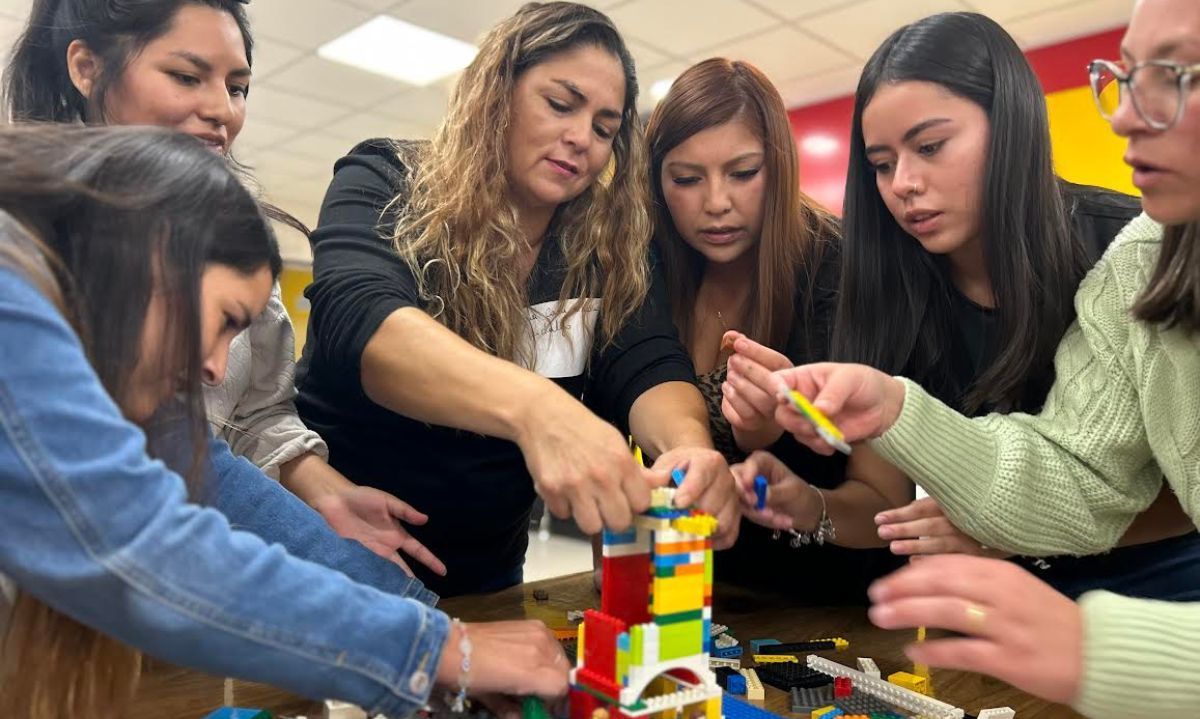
x=711 y=93
x=80 y=207
x=458 y=229
x=1172 y=294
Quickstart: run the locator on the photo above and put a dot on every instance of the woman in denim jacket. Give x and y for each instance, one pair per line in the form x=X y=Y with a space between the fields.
x=129 y=259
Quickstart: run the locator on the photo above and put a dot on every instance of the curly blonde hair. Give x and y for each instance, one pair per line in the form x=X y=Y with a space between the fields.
x=458 y=228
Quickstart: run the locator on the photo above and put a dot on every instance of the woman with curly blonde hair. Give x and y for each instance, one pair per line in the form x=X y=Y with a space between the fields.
x=484 y=306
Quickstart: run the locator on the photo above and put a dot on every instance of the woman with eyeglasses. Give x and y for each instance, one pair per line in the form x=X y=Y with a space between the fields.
x=961 y=258
x=1123 y=413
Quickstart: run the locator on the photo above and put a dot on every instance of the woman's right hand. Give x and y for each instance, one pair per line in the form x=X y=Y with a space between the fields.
x=582 y=467
x=861 y=401
x=509 y=660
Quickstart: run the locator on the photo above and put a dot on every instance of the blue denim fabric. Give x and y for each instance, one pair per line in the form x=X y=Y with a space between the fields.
x=95 y=528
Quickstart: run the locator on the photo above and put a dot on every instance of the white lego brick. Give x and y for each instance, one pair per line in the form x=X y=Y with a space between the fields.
x=717 y=629
x=896 y=695
x=869 y=667
x=714 y=662
x=998 y=713
x=342 y=710
x=725 y=641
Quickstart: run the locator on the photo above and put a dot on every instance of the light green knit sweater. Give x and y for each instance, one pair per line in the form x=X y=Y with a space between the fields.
x=1123 y=413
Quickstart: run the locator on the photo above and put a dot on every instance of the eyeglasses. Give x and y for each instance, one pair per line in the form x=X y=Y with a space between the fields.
x=1159 y=89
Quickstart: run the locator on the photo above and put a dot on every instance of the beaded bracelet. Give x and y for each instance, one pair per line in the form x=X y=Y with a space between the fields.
x=824 y=532
x=459 y=702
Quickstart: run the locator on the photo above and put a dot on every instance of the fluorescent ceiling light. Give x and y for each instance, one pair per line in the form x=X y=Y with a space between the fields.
x=399 y=50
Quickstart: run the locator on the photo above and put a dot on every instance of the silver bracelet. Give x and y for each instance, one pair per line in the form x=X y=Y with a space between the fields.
x=824 y=532
x=458 y=703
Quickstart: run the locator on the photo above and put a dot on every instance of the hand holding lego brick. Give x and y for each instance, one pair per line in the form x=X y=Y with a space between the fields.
x=791 y=502
x=508 y=660
x=582 y=466
x=748 y=400
x=861 y=401
x=1018 y=629
x=922 y=528
x=708 y=485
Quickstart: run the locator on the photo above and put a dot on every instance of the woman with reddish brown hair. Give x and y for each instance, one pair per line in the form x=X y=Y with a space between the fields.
x=748 y=255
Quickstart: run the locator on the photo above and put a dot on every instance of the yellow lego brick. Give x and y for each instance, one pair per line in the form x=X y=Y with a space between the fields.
x=840 y=644
x=822 y=712
x=754 y=687
x=673 y=595
x=775 y=659
x=702 y=525
x=712 y=708
x=910 y=681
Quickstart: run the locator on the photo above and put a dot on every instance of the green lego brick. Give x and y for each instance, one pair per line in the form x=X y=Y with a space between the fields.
x=664 y=619
x=682 y=639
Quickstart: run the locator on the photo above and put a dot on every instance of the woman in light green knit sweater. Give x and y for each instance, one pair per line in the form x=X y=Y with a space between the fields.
x=1123 y=414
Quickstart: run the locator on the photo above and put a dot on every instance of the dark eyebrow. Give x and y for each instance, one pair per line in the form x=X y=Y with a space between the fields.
x=204 y=65
x=913 y=131
x=578 y=94
x=246 y=318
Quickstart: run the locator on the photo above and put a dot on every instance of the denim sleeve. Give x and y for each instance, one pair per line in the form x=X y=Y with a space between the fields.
x=92 y=526
x=252 y=501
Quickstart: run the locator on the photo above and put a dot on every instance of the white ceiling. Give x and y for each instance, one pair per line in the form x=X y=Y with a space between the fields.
x=305 y=111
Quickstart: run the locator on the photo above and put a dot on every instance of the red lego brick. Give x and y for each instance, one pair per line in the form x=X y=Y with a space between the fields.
x=842 y=687
x=625 y=588
x=583 y=703
x=601 y=685
x=600 y=634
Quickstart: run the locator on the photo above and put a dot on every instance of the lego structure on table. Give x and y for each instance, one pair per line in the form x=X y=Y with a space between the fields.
x=645 y=653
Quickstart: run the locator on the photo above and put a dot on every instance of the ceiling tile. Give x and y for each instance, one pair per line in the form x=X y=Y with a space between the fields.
x=645 y=56
x=320 y=146
x=1004 y=10
x=686 y=27
x=783 y=53
x=259 y=133
x=270 y=56
x=666 y=71
x=1070 y=22
x=791 y=9
x=335 y=83
x=861 y=27
x=376 y=5
x=289 y=109
x=812 y=89
x=304 y=23
x=422 y=106
x=358 y=126
x=285 y=166
x=463 y=19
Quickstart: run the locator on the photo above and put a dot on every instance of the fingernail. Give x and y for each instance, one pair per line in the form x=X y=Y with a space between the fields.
x=886 y=532
x=881 y=518
x=881 y=616
x=877 y=592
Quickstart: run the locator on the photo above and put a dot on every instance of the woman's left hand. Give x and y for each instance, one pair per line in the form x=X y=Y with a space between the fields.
x=374 y=518
x=1018 y=629
x=921 y=527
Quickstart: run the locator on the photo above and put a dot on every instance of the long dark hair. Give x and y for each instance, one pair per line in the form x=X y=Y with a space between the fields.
x=37 y=85
x=708 y=94
x=894 y=308
x=100 y=219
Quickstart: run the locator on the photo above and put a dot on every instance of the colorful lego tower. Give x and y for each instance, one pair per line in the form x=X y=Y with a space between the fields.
x=645 y=653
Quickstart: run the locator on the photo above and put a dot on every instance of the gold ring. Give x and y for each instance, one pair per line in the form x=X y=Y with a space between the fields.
x=977 y=616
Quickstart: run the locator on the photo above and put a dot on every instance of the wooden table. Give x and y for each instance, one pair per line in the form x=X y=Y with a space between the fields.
x=182 y=694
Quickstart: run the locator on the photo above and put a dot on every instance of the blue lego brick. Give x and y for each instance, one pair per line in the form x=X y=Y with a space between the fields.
x=736 y=685
x=235 y=713
x=707 y=635
x=627 y=537
x=727 y=652
x=756 y=644
x=760 y=492
x=672 y=560
x=677 y=477
x=734 y=708
x=667 y=513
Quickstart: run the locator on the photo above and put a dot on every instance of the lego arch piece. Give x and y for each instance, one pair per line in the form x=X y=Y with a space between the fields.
x=693 y=666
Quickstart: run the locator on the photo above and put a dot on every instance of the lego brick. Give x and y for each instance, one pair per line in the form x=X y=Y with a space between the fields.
x=625 y=583
x=869 y=667
x=597 y=683
x=734 y=708
x=727 y=652
x=754 y=687
x=677 y=594
x=736 y=684
x=862 y=703
x=723 y=674
x=629 y=536
x=236 y=713
x=826 y=713
x=775 y=659
x=341 y=710
x=717 y=662
x=600 y=643
x=816 y=645
x=760 y=492
x=997 y=713
x=691 y=616
x=671 y=560
x=701 y=525
x=806 y=699
x=725 y=640
x=788 y=676
x=910 y=681
x=843 y=687
x=717 y=630
x=757 y=644
x=680 y=639
x=909 y=701
x=683 y=569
